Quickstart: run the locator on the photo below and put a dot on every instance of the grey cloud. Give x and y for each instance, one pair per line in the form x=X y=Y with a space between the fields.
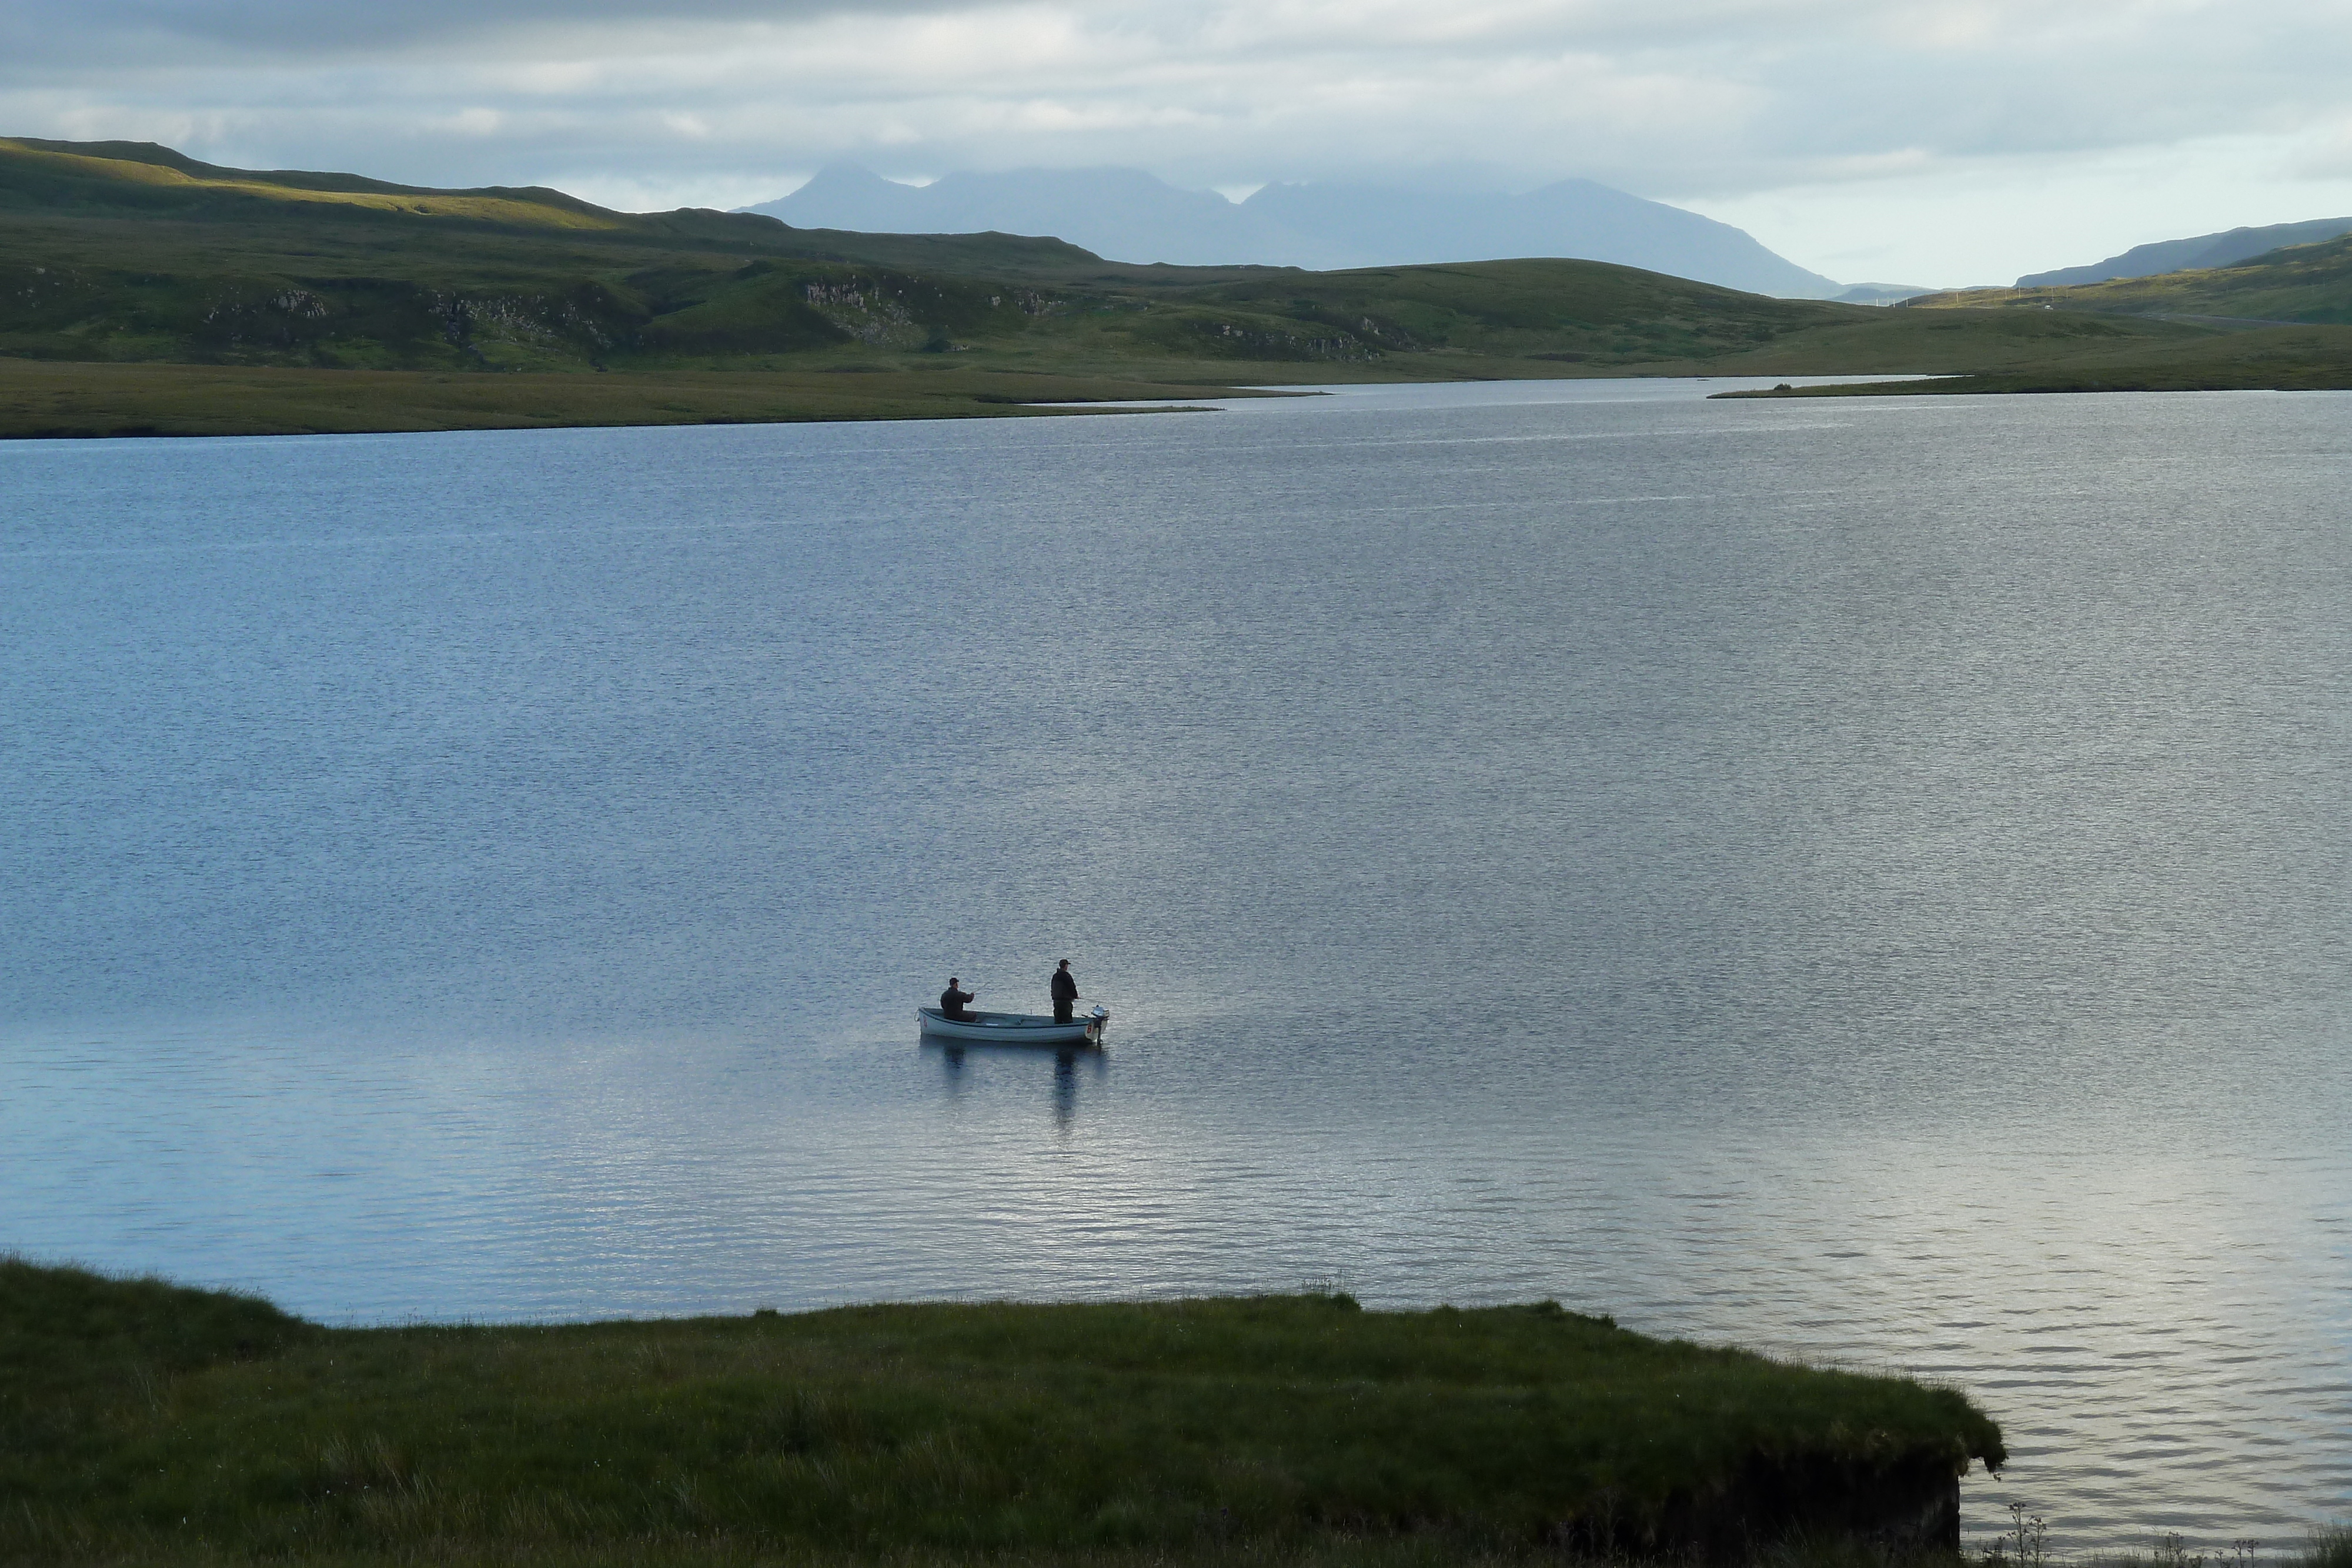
x=1683 y=99
x=112 y=33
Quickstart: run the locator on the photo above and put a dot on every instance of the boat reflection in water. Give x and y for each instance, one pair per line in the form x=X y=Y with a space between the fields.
x=955 y=1049
x=1021 y=1035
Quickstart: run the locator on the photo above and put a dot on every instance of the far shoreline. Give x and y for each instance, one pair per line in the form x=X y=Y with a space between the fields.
x=47 y=400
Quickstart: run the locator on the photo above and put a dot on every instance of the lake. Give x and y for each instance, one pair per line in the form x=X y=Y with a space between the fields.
x=1869 y=879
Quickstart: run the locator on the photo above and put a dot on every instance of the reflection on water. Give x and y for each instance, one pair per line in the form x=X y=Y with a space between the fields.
x=1070 y=1062
x=1865 y=881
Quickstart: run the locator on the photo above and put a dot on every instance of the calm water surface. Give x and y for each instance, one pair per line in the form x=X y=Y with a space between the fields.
x=1868 y=879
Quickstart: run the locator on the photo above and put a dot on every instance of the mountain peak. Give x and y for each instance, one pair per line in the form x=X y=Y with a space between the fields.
x=1131 y=214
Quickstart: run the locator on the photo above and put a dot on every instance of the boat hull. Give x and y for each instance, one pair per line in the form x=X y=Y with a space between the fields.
x=1012 y=1028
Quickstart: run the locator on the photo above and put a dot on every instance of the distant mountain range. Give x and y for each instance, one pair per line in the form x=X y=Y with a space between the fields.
x=1126 y=215
x=2189 y=254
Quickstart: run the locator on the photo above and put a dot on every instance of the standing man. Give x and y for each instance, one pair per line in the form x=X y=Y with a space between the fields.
x=1065 y=992
x=953 y=999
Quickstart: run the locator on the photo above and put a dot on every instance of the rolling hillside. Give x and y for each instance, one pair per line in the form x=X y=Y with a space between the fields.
x=142 y=290
x=2196 y=253
x=117 y=252
x=2302 y=283
x=2280 y=322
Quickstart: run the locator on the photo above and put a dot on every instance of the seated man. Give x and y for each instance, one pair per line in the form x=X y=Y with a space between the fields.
x=952 y=1000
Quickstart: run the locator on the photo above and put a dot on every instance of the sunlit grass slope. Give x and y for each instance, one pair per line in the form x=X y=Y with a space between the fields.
x=138 y=1419
x=168 y=181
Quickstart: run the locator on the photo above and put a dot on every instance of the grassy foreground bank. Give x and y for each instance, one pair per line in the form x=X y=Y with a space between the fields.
x=140 y=1422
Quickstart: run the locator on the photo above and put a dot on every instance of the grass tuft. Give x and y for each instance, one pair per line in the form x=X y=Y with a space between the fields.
x=2329 y=1547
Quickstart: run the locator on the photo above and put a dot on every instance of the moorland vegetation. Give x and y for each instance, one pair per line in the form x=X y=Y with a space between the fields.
x=2281 y=321
x=143 y=291
x=144 y=1422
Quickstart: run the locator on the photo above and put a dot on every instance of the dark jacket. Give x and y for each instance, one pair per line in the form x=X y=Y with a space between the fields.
x=952 y=1001
x=1066 y=985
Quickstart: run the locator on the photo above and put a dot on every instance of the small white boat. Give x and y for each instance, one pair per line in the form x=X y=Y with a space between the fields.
x=1014 y=1029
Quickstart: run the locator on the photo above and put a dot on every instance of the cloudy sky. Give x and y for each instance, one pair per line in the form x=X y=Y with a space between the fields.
x=1944 y=142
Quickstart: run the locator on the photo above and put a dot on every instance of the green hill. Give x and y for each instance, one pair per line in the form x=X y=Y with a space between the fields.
x=2302 y=284
x=144 y=290
x=2281 y=321
x=130 y=252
